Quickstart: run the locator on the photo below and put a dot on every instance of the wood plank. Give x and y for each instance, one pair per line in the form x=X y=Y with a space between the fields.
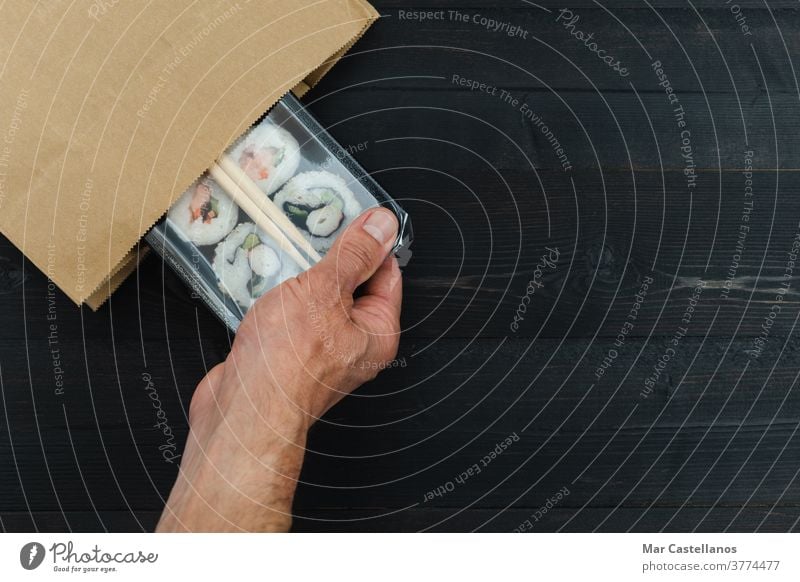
x=702 y=436
x=414 y=520
x=80 y=521
x=608 y=130
x=523 y=6
x=479 y=237
x=701 y=51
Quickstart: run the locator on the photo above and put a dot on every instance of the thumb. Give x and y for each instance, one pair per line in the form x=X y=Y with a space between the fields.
x=361 y=249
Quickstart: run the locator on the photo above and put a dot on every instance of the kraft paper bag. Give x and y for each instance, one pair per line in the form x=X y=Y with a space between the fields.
x=110 y=109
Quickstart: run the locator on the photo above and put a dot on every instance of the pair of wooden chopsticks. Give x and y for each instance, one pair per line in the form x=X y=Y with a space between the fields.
x=267 y=216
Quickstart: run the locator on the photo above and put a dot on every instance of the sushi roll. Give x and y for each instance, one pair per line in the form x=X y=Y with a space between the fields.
x=320 y=204
x=269 y=155
x=204 y=213
x=247 y=265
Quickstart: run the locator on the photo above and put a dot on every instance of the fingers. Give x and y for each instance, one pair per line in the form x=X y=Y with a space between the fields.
x=361 y=249
x=386 y=284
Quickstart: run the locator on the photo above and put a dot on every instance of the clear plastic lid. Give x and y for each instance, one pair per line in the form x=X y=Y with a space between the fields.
x=230 y=257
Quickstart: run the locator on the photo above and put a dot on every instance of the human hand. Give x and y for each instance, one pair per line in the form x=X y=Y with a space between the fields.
x=300 y=349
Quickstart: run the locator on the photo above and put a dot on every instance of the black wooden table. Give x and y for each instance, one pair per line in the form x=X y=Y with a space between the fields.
x=599 y=315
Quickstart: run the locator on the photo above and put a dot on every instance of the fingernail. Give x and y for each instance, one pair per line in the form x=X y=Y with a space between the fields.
x=381 y=225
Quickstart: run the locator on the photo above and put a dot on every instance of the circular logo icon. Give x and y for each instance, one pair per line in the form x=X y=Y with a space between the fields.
x=31 y=555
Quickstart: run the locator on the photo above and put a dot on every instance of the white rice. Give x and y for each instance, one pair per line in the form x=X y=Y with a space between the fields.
x=309 y=193
x=245 y=275
x=270 y=140
x=203 y=228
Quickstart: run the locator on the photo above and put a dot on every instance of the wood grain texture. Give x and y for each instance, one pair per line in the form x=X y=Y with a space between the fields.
x=702 y=49
x=676 y=427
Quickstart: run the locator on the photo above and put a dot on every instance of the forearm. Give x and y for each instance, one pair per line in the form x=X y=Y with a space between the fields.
x=228 y=482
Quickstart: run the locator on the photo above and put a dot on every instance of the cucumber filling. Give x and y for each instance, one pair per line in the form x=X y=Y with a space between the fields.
x=322 y=219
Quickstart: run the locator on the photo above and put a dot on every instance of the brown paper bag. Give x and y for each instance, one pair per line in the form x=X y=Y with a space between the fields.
x=109 y=109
